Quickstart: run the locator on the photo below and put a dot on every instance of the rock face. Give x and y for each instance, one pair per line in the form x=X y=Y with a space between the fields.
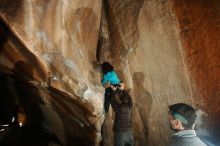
x=199 y=24
x=165 y=52
x=57 y=41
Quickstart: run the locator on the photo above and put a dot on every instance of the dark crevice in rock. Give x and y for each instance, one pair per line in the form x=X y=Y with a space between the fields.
x=103 y=46
x=122 y=21
x=14 y=49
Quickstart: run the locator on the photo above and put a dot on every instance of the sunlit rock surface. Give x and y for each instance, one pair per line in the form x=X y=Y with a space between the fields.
x=165 y=51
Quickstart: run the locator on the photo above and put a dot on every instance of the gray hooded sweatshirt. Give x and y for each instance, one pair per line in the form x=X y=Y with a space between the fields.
x=186 y=138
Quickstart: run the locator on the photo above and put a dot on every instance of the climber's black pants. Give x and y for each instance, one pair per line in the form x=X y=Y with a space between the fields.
x=107 y=100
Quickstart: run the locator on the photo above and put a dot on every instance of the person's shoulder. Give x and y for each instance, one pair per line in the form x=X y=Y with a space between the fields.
x=179 y=142
x=200 y=142
x=188 y=141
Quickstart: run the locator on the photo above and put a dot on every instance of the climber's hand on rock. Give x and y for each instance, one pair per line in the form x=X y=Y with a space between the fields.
x=122 y=86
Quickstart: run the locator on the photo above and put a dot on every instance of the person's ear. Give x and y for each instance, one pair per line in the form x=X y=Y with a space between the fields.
x=176 y=122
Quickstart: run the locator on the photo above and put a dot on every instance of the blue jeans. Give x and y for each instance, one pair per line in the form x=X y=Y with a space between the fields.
x=124 y=138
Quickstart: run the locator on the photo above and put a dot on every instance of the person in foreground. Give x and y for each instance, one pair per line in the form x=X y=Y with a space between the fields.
x=182 y=119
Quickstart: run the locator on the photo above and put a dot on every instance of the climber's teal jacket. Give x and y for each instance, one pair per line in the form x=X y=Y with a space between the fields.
x=111 y=77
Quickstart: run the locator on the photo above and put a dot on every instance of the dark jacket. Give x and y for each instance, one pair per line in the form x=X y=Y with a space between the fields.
x=123 y=120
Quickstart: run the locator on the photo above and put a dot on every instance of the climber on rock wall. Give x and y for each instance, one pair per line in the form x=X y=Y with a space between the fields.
x=109 y=78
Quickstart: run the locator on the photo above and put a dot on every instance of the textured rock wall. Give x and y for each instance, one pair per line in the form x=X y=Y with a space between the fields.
x=166 y=51
x=58 y=39
x=144 y=37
